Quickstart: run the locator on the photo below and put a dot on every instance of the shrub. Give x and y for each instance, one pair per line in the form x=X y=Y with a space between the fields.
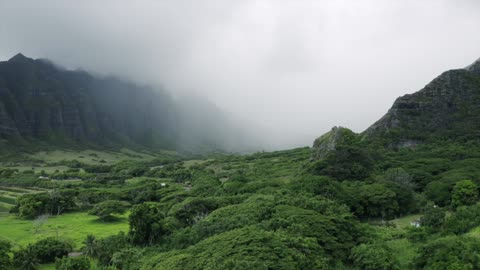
x=72 y=263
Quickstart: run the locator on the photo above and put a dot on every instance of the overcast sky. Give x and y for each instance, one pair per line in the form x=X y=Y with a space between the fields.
x=303 y=65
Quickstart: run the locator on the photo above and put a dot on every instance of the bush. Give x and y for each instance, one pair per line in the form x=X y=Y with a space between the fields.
x=464 y=192
x=433 y=217
x=72 y=263
x=377 y=256
x=451 y=252
x=463 y=220
x=48 y=249
x=106 y=209
x=5 y=247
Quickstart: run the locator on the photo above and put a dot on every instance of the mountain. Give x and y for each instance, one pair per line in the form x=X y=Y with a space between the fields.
x=39 y=101
x=448 y=107
x=42 y=103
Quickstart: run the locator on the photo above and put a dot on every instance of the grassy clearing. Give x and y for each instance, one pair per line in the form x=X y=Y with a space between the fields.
x=404 y=221
x=72 y=226
x=90 y=156
x=44 y=160
x=39 y=168
x=50 y=266
x=190 y=163
x=475 y=232
x=7 y=200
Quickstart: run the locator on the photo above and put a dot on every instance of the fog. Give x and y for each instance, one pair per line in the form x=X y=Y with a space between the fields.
x=289 y=69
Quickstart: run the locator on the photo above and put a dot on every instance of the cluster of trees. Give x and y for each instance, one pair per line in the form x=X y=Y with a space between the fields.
x=104 y=210
x=54 y=202
x=28 y=258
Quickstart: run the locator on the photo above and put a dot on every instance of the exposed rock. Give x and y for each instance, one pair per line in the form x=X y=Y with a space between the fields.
x=328 y=141
x=43 y=102
x=449 y=106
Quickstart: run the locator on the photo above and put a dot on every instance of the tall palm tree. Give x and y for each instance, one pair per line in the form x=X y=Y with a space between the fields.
x=90 y=248
x=28 y=260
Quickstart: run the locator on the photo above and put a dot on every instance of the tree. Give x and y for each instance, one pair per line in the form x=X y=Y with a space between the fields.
x=126 y=259
x=433 y=217
x=39 y=221
x=399 y=176
x=372 y=200
x=26 y=259
x=106 y=247
x=377 y=256
x=439 y=192
x=72 y=263
x=146 y=224
x=106 y=209
x=59 y=201
x=53 y=202
x=90 y=246
x=5 y=248
x=48 y=249
x=450 y=253
x=463 y=219
x=31 y=205
x=465 y=192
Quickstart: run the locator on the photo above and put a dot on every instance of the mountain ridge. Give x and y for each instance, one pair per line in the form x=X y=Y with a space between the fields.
x=447 y=108
x=43 y=103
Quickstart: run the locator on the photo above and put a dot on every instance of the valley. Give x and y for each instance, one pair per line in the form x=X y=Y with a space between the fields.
x=399 y=195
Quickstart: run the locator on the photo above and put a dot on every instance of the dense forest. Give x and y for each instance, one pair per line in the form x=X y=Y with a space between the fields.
x=404 y=194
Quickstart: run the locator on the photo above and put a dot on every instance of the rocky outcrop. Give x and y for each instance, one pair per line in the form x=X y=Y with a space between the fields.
x=330 y=140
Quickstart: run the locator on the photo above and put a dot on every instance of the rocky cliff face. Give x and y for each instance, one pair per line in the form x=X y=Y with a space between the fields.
x=328 y=142
x=449 y=106
x=41 y=101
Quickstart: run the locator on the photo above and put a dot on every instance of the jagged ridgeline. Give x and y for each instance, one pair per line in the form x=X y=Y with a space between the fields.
x=447 y=109
x=43 y=105
x=39 y=101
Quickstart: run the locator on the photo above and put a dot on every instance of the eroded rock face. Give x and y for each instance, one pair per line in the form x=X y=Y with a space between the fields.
x=449 y=106
x=328 y=141
x=41 y=101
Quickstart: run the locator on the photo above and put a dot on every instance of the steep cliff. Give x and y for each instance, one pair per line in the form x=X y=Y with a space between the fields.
x=39 y=101
x=448 y=107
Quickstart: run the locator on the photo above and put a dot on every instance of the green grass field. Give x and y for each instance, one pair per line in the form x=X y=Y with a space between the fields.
x=90 y=156
x=404 y=222
x=72 y=226
x=44 y=160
